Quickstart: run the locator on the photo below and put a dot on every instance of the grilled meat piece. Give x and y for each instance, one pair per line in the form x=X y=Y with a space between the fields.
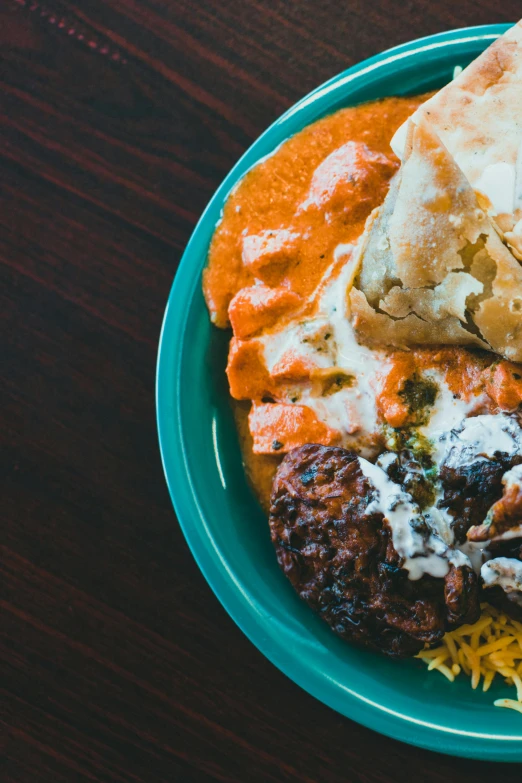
x=498 y=598
x=504 y=518
x=502 y=577
x=342 y=562
x=511 y=547
x=470 y=490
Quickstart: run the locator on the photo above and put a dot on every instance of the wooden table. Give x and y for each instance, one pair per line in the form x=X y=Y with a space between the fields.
x=120 y=118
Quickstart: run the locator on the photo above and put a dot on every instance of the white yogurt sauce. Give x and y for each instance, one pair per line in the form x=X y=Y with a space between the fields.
x=351 y=410
x=386 y=460
x=473 y=439
x=476 y=552
x=476 y=438
x=305 y=339
x=421 y=554
x=504 y=572
x=513 y=477
x=433 y=554
x=459 y=442
x=352 y=358
x=448 y=410
x=513 y=532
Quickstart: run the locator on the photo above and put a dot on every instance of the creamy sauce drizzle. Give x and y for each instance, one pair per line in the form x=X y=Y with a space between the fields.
x=351 y=410
x=448 y=410
x=477 y=438
x=422 y=553
x=482 y=437
x=504 y=572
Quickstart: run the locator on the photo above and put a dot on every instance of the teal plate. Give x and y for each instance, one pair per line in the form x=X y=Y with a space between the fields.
x=224 y=526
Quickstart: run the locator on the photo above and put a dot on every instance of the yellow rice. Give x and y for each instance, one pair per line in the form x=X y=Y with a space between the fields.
x=492 y=646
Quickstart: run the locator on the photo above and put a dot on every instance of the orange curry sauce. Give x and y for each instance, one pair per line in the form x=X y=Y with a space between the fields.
x=269 y=254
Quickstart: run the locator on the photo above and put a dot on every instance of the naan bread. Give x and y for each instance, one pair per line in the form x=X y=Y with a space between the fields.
x=432 y=268
x=377 y=328
x=478 y=117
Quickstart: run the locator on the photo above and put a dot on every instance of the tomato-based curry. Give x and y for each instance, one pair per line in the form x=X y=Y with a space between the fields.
x=282 y=222
x=292 y=221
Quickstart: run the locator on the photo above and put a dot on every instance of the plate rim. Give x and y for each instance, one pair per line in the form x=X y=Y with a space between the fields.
x=174 y=455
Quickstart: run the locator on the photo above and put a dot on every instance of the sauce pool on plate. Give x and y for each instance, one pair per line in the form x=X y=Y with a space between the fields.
x=283 y=222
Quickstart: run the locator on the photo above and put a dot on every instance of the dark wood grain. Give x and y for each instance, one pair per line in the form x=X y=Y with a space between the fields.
x=119 y=119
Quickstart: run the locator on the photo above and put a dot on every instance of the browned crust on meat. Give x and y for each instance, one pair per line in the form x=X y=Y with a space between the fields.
x=342 y=562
